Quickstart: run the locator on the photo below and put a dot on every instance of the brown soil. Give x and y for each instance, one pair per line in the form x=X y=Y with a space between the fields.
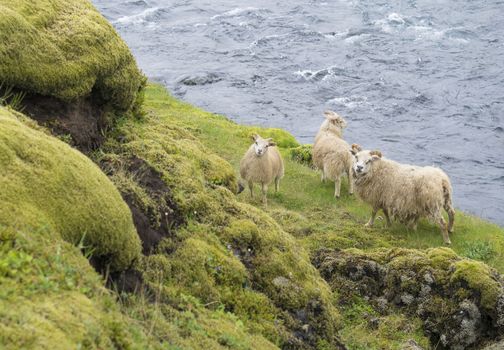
x=150 y=230
x=82 y=119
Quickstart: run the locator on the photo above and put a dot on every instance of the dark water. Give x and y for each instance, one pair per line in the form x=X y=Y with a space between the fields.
x=421 y=80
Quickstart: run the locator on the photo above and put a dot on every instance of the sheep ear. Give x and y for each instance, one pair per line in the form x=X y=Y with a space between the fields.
x=331 y=115
x=254 y=137
x=355 y=149
x=271 y=143
x=375 y=155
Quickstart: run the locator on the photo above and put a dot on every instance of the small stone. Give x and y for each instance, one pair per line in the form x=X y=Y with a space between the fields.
x=374 y=323
x=411 y=345
x=428 y=278
x=407 y=299
x=382 y=304
x=281 y=281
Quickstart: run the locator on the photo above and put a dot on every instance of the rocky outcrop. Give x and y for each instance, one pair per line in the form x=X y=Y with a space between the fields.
x=460 y=301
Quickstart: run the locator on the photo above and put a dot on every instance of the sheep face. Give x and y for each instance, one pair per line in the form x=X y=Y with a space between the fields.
x=334 y=123
x=363 y=162
x=261 y=145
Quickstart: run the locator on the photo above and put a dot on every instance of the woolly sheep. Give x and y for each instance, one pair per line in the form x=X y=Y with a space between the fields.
x=331 y=154
x=262 y=163
x=403 y=191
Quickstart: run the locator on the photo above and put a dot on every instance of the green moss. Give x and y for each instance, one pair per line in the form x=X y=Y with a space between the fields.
x=65 y=49
x=365 y=328
x=281 y=137
x=302 y=154
x=52 y=299
x=442 y=257
x=481 y=278
x=46 y=183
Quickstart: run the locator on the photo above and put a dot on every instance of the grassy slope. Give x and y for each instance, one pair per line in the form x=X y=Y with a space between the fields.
x=319 y=220
x=306 y=209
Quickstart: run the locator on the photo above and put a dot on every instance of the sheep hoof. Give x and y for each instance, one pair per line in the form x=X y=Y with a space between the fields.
x=368 y=225
x=448 y=243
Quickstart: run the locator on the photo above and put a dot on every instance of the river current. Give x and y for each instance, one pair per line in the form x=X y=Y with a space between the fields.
x=423 y=81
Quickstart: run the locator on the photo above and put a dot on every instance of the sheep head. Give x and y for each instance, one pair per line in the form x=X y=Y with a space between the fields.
x=335 y=119
x=333 y=123
x=363 y=161
x=261 y=145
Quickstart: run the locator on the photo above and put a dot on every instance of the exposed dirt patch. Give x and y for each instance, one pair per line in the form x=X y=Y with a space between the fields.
x=150 y=179
x=83 y=119
x=128 y=281
x=152 y=224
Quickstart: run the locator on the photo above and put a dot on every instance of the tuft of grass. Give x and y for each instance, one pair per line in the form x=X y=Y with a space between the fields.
x=11 y=99
x=478 y=250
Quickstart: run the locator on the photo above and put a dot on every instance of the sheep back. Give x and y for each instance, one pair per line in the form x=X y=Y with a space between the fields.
x=333 y=153
x=407 y=192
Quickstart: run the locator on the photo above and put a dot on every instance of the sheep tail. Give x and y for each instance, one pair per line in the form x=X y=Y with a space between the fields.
x=447 y=193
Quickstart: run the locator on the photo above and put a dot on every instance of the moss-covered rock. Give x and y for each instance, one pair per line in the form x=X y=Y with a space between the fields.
x=458 y=300
x=45 y=183
x=65 y=49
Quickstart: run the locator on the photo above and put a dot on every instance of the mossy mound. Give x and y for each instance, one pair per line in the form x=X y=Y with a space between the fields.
x=51 y=298
x=65 y=49
x=225 y=253
x=460 y=301
x=45 y=183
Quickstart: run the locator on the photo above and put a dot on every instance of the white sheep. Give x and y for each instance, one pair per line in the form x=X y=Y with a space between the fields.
x=331 y=154
x=404 y=192
x=262 y=163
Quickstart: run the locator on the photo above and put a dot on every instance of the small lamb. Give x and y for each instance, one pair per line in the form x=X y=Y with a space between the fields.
x=262 y=163
x=403 y=191
x=331 y=153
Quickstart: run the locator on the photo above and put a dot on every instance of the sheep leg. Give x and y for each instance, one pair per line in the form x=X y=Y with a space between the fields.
x=337 y=187
x=251 y=188
x=370 y=223
x=444 y=231
x=451 y=216
x=264 y=189
x=322 y=176
x=385 y=212
x=350 y=181
x=277 y=184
